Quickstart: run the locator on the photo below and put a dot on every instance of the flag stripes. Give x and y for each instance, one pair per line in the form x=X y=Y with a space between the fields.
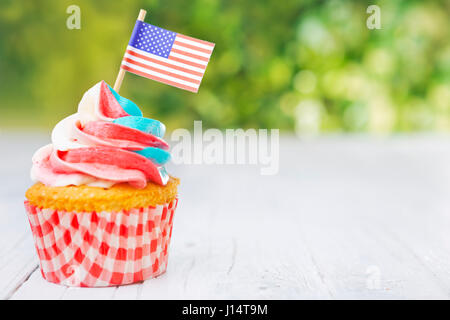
x=167 y=57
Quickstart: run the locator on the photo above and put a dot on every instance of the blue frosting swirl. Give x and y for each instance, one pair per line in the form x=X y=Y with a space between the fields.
x=138 y=122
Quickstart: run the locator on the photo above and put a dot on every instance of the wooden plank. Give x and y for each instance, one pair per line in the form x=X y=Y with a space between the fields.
x=73 y=293
x=235 y=247
x=38 y=288
x=346 y=217
x=17 y=255
x=128 y=292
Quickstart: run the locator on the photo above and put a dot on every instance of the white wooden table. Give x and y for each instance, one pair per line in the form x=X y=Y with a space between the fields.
x=346 y=217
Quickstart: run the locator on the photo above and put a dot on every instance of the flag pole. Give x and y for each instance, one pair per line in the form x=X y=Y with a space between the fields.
x=121 y=73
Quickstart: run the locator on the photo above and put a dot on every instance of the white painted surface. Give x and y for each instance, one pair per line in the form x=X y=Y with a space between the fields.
x=346 y=217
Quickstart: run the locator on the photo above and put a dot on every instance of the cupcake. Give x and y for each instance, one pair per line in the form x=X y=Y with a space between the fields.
x=101 y=209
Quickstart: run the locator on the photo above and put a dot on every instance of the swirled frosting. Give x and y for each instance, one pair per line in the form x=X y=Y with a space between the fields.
x=107 y=141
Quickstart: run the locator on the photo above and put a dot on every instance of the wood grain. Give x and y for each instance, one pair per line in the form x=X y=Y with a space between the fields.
x=346 y=217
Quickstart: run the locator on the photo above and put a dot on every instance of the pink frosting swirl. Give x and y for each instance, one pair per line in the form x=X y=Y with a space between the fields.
x=89 y=148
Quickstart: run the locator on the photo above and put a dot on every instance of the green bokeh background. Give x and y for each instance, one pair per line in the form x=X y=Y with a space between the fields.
x=298 y=65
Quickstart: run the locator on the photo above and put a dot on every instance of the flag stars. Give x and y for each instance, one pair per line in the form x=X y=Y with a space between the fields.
x=154 y=40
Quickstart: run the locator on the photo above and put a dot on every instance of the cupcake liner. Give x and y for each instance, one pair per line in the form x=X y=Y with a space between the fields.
x=98 y=249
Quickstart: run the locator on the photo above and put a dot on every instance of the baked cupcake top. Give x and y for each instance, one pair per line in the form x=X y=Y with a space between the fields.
x=121 y=196
x=106 y=142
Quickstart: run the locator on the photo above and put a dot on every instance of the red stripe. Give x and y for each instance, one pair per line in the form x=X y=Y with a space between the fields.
x=189 y=63
x=196 y=40
x=189 y=46
x=190 y=55
x=167 y=73
x=149 y=76
x=195 y=73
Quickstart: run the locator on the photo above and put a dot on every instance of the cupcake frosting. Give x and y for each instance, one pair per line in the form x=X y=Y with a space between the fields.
x=107 y=141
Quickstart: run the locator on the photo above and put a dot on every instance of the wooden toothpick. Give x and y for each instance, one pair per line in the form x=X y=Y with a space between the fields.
x=121 y=73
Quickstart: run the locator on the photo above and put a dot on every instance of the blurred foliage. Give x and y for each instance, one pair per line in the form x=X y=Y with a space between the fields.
x=302 y=65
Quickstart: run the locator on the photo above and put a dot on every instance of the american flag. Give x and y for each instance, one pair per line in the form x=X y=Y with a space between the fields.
x=167 y=56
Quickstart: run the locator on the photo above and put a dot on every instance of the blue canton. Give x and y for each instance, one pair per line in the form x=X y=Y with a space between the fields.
x=152 y=39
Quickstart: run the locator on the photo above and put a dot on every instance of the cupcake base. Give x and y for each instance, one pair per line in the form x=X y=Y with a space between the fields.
x=98 y=249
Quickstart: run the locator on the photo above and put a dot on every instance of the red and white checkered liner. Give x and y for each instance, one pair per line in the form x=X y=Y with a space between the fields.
x=97 y=249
